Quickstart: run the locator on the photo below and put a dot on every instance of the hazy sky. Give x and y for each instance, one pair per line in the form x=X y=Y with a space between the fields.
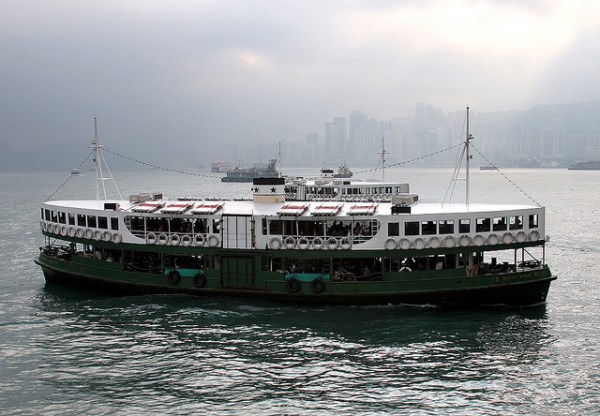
x=202 y=74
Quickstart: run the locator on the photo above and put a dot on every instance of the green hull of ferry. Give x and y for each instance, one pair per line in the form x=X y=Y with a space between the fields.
x=249 y=273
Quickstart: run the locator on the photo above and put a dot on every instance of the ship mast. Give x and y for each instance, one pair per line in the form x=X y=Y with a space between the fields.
x=466 y=154
x=382 y=159
x=468 y=138
x=100 y=178
x=96 y=146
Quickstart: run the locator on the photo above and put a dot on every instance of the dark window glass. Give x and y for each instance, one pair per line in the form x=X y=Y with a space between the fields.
x=393 y=229
x=411 y=228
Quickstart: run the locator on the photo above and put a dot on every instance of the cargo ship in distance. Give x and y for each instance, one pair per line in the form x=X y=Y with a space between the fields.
x=320 y=248
x=259 y=170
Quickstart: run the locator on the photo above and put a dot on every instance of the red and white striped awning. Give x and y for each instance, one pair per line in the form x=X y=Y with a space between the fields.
x=327 y=209
x=293 y=209
x=147 y=207
x=362 y=209
x=179 y=208
x=207 y=208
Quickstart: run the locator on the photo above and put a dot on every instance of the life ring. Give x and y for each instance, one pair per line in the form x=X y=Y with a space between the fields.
x=200 y=280
x=346 y=243
x=293 y=285
x=63 y=230
x=174 y=277
x=56 y=229
x=419 y=243
x=317 y=285
x=317 y=243
x=151 y=238
x=303 y=243
x=97 y=235
x=198 y=240
x=390 y=244
x=492 y=239
x=478 y=240
x=106 y=236
x=405 y=269
x=117 y=238
x=174 y=240
x=43 y=225
x=186 y=240
x=332 y=243
x=449 y=242
x=275 y=243
x=464 y=241
x=162 y=239
x=213 y=241
x=289 y=242
x=435 y=242
x=80 y=232
x=507 y=238
x=71 y=231
x=534 y=236
x=89 y=234
x=404 y=244
x=521 y=236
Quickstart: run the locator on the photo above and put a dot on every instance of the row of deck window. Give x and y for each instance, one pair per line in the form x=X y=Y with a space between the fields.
x=80 y=220
x=140 y=225
x=366 y=228
x=295 y=227
x=482 y=225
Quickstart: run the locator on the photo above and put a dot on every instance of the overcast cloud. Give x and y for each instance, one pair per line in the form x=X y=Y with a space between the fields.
x=205 y=74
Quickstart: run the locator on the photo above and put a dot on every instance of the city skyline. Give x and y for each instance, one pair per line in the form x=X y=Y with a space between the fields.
x=359 y=139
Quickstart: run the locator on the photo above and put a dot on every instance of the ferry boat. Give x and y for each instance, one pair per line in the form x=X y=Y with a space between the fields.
x=327 y=188
x=331 y=251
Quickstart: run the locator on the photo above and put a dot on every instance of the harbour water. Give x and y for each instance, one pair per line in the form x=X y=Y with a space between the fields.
x=65 y=352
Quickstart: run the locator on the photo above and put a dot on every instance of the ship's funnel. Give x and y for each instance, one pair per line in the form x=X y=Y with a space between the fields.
x=268 y=189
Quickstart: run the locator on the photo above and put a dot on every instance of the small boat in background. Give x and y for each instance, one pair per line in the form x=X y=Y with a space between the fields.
x=220 y=166
x=343 y=172
x=587 y=165
x=487 y=167
x=75 y=172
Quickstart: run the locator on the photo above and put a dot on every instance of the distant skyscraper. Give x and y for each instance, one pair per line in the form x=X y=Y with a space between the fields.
x=335 y=140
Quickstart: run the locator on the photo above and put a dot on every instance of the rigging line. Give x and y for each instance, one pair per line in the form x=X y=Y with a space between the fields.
x=70 y=176
x=506 y=177
x=412 y=160
x=399 y=163
x=457 y=166
x=160 y=167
